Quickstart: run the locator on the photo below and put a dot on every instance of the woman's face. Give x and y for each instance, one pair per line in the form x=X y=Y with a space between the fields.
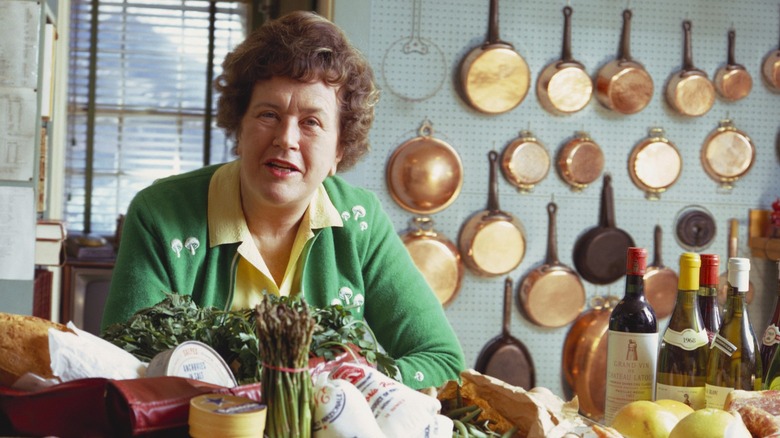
x=288 y=142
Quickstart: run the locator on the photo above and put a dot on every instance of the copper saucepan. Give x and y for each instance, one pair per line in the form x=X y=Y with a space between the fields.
x=564 y=86
x=491 y=241
x=689 y=91
x=732 y=81
x=572 y=340
x=494 y=78
x=655 y=164
x=623 y=85
x=551 y=295
x=525 y=162
x=424 y=175
x=660 y=281
x=436 y=257
x=580 y=161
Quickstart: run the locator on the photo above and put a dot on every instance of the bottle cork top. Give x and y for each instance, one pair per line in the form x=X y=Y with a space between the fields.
x=636 y=261
x=708 y=275
x=689 y=271
x=739 y=273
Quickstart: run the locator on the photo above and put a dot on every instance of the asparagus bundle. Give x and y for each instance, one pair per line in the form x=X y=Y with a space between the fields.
x=284 y=330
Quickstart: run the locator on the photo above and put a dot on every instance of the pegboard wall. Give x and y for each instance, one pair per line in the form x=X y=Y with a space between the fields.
x=415 y=88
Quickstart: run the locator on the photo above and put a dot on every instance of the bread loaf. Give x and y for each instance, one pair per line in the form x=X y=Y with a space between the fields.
x=24 y=346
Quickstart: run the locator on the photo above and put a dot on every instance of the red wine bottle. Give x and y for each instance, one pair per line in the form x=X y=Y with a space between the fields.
x=632 y=342
x=708 y=294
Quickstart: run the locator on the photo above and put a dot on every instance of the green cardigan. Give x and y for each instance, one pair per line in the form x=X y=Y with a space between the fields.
x=363 y=262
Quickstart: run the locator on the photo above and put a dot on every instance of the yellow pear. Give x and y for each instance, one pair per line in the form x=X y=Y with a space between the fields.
x=678 y=408
x=644 y=419
x=710 y=423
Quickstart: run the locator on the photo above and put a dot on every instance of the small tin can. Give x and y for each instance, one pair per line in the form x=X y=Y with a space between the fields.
x=226 y=416
x=193 y=360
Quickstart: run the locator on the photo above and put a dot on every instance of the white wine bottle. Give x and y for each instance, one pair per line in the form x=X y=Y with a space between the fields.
x=682 y=357
x=632 y=341
x=735 y=361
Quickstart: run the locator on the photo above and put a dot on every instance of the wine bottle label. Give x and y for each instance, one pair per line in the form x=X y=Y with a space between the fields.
x=771 y=335
x=692 y=396
x=687 y=339
x=715 y=396
x=631 y=365
x=723 y=345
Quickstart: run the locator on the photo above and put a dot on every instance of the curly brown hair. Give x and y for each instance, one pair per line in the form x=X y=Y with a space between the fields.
x=307 y=47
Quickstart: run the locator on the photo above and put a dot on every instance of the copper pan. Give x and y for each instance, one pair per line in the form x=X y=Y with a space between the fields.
x=492 y=241
x=770 y=70
x=723 y=280
x=493 y=78
x=574 y=337
x=564 y=87
x=689 y=91
x=655 y=164
x=436 y=257
x=732 y=81
x=525 y=162
x=660 y=281
x=424 y=175
x=588 y=358
x=551 y=295
x=727 y=154
x=623 y=85
x=580 y=161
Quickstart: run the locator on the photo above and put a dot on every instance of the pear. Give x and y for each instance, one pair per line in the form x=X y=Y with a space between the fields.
x=644 y=419
x=710 y=423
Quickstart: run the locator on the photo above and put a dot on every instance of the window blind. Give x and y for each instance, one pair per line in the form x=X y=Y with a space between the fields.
x=147 y=104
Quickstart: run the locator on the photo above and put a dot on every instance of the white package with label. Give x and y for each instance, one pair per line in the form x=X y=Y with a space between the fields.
x=341 y=410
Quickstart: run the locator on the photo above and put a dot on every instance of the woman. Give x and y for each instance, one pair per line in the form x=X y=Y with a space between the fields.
x=299 y=101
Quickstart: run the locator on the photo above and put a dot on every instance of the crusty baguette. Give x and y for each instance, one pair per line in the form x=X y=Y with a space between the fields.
x=24 y=346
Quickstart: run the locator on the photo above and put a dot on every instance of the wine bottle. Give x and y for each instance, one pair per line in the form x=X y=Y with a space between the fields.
x=632 y=341
x=682 y=357
x=708 y=294
x=770 y=342
x=735 y=361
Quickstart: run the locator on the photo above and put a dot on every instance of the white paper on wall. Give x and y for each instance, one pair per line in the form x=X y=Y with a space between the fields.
x=19 y=35
x=17 y=233
x=18 y=110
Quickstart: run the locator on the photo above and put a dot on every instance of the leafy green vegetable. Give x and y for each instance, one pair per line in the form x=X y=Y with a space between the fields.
x=232 y=335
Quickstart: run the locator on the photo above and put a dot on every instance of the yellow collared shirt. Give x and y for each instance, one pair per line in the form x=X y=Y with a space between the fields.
x=227 y=224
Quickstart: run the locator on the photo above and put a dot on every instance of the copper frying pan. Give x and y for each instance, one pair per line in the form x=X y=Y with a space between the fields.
x=733 y=81
x=600 y=252
x=492 y=241
x=525 y=162
x=689 y=91
x=660 y=281
x=506 y=357
x=424 y=175
x=436 y=257
x=723 y=280
x=551 y=295
x=564 y=86
x=494 y=78
x=623 y=85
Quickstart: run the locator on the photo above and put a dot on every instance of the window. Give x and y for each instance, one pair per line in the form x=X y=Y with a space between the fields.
x=143 y=114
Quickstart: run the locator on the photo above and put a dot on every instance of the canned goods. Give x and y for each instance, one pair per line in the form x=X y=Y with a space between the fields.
x=193 y=360
x=226 y=416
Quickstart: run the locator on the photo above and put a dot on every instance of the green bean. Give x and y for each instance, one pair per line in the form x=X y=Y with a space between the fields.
x=475 y=432
x=461 y=428
x=471 y=415
x=461 y=410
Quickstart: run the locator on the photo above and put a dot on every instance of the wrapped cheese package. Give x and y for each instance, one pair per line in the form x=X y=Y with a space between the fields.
x=399 y=410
